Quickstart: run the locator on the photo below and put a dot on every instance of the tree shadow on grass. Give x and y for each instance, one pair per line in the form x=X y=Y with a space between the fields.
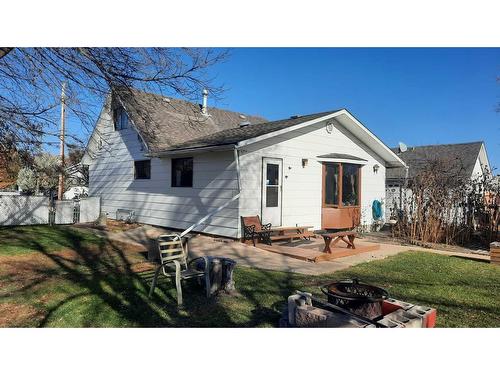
x=105 y=272
x=105 y=283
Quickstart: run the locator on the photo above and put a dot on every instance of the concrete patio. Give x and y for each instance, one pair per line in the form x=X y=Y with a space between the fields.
x=249 y=256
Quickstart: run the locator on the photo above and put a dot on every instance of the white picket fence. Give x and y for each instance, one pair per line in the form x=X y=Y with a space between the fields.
x=30 y=210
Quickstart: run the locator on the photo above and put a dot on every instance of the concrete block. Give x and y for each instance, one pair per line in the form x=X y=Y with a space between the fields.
x=344 y=321
x=309 y=316
x=296 y=300
x=313 y=317
x=388 y=323
x=495 y=253
x=390 y=304
x=406 y=318
x=428 y=315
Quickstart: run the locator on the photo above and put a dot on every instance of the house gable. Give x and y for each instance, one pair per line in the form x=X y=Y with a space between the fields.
x=303 y=152
x=460 y=157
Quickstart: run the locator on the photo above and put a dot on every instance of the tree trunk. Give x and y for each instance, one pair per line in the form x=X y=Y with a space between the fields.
x=221 y=274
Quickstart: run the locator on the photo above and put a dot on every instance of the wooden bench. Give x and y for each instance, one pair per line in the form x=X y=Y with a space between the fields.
x=253 y=230
x=331 y=239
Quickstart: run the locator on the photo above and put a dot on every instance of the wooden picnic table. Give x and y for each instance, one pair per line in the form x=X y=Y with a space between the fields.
x=331 y=239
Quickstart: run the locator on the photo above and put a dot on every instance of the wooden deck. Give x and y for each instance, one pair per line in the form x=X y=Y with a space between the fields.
x=311 y=252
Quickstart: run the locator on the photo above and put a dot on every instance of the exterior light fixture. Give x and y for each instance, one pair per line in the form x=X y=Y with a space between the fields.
x=304 y=162
x=375 y=168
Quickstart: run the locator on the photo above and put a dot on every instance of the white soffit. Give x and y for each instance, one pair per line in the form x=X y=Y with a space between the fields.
x=346 y=161
x=355 y=127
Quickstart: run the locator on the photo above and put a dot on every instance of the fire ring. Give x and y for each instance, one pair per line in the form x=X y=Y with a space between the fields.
x=359 y=298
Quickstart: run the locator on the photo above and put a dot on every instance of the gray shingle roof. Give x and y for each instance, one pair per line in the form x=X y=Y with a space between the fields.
x=164 y=122
x=460 y=157
x=238 y=134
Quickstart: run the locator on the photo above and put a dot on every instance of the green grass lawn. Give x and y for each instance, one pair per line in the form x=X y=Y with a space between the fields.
x=28 y=239
x=104 y=285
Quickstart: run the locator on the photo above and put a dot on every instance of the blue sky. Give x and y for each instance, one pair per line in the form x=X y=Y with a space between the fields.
x=418 y=96
x=414 y=95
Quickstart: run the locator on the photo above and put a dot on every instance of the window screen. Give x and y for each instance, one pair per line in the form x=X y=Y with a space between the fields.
x=350 y=181
x=332 y=184
x=182 y=172
x=272 y=185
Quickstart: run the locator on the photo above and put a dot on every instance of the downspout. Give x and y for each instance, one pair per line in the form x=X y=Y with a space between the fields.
x=218 y=209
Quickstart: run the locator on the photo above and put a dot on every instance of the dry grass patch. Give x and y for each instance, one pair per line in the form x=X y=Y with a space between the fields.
x=18 y=315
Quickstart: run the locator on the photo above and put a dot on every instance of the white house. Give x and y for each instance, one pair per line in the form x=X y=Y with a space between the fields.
x=172 y=162
x=463 y=160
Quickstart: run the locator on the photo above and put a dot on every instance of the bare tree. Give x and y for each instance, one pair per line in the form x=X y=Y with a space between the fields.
x=442 y=204
x=31 y=79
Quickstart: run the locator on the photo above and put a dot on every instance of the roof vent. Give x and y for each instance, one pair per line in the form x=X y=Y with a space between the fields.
x=204 y=103
x=243 y=117
x=244 y=123
x=166 y=100
x=295 y=116
x=402 y=147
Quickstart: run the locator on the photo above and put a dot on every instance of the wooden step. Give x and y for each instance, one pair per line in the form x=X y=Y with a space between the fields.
x=291 y=236
x=310 y=255
x=297 y=253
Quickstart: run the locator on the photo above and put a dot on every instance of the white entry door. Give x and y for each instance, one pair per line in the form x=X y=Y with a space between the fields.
x=271 y=190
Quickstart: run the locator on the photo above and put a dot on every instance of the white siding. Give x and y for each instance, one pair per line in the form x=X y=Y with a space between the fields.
x=482 y=165
x=477 y=172
x=154 y=201
x=302 y=187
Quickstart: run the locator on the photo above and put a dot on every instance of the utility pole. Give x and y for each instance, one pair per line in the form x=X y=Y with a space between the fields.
x=61 y=138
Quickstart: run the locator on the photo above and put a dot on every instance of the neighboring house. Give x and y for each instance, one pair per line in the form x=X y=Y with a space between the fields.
x=172 y=162
x=462 y=160
x=76 y=181
x=76 y=192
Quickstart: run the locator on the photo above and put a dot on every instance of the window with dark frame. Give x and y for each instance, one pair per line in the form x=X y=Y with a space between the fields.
x=120 y=118
x=142 y=169
x=341 y=185
x=182 y=172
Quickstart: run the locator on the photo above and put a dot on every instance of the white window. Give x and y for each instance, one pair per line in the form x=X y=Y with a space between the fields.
x=120 y=119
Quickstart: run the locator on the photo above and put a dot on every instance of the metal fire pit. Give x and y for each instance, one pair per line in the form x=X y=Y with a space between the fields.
x=359 y=298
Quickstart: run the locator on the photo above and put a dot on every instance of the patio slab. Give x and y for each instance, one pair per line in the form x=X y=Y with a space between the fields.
x=249 y=256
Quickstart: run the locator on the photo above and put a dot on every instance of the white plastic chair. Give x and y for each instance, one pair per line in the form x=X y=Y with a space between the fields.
x=174 y=264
